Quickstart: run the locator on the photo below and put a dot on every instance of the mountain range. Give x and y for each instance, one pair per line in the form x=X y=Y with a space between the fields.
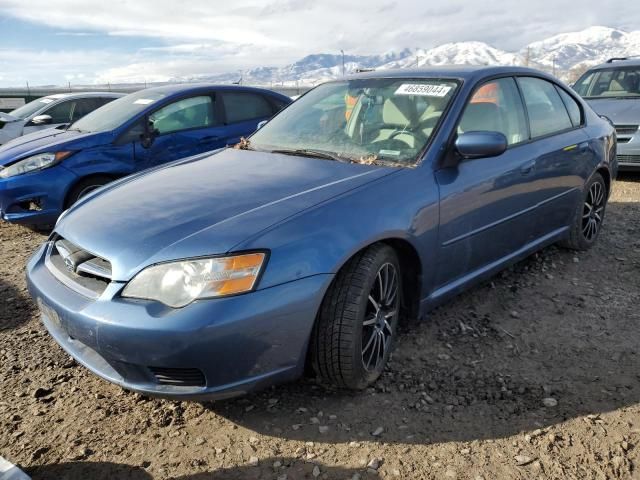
x=567 y=55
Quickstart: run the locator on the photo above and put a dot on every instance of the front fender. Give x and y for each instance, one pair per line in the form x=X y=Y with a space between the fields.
x=322 y=239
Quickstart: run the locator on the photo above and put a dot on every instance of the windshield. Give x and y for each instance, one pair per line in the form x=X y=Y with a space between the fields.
x=381 y=120
x=621 y=82
x=115 y=113
x=30 y=108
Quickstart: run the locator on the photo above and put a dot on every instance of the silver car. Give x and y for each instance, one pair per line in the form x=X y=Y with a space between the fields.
x=51 y=111
x=613 y=90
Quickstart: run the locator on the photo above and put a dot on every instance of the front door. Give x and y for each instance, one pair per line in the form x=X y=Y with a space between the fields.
x=486 y=204
x=185 y=127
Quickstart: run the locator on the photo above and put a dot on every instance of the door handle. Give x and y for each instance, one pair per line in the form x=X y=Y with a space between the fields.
x=528 y=167
x=210 y=138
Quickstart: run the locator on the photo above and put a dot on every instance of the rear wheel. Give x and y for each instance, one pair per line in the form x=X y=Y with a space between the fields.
x=589 y=215
x=85 y=186
x=357 y=322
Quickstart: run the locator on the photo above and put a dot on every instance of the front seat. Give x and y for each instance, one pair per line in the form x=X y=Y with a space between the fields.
x=481 y=116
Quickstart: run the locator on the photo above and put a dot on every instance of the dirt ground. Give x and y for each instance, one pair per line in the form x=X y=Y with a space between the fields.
x=535 y=374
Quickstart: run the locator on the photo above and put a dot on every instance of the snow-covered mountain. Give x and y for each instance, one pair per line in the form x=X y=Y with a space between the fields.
x=568 y=54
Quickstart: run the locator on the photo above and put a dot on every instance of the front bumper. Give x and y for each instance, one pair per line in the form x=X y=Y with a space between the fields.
x=239 y=343
x=628 y=154
x=35 y=198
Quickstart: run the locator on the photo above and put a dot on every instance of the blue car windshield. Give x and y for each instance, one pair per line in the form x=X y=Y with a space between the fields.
x=375 y=121
x=117 y=112
x=30 y=108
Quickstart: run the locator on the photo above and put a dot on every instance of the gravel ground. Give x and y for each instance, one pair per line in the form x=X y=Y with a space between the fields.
x=535 y=374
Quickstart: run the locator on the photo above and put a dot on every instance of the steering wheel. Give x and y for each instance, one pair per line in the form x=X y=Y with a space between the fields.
x=419 y=137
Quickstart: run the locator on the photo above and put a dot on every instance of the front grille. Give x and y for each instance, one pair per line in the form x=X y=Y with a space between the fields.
x=78 y=269
x=182 y=377
x=626 y=129
x=628 y=159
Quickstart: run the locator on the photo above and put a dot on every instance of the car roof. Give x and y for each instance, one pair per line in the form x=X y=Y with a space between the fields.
x=464 y=72
x=614 y=63
x=176 y=88
x=58 y=96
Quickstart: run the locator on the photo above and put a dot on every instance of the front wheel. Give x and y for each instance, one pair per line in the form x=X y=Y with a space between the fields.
x=356 y=326
x=589 y=215
x=85 y=186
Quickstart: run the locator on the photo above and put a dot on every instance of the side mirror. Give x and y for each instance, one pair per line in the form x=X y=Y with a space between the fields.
x=41 y=120
x=481 y=144
x=261 y=124
x=147 y=138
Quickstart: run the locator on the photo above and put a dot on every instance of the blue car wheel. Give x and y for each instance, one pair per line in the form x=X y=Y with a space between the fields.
x=589 y=215
x=356 y=327
x=85 y=186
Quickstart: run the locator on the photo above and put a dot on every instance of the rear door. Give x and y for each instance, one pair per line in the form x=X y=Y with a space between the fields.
x=184 y=127
x=564 y=156
x=243 y=112
x=486 y=203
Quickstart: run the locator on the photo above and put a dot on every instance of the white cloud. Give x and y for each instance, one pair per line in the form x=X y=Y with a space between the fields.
x=304 y=26
x=205 y=37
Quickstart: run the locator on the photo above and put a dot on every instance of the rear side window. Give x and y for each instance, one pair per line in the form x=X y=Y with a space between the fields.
x=496 y=106
x=60 y=113
x=575 y=113
x=243 y=106
x=547 y=113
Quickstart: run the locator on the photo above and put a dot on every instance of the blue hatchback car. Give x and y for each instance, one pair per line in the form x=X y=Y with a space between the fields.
x=43 y=173
x=368 y=200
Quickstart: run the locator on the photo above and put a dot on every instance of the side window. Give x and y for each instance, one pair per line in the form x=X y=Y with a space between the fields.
x=186 y=114
x=547 y=113
x=60 y=113
x=575 y=112
x=496 y=106
x=84 y=106
x=243 y=106
x=583 y=84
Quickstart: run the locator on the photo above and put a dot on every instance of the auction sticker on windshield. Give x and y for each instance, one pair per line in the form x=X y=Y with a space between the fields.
x=424 y=89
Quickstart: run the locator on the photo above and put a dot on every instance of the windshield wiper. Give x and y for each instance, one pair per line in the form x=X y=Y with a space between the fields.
x=307 y=152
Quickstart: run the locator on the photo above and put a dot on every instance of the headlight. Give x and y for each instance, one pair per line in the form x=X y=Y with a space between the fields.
x=30 y=164
x=177 y=284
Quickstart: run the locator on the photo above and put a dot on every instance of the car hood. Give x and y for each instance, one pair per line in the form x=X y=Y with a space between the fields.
x=48 y=140
x=5 y=117
x=619 y=111
x=203 y=207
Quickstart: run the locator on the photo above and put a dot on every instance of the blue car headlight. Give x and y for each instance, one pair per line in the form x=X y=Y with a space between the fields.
x=33 y=163
x=177 y=284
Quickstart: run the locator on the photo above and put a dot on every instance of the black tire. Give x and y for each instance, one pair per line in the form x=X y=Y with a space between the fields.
x=85 y=186
x=589 y=215
x=349 y=314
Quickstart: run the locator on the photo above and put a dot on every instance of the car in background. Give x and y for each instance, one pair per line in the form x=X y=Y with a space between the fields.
x=44 y=173
x=613 y=90
x=367 y=200
x=51 y=111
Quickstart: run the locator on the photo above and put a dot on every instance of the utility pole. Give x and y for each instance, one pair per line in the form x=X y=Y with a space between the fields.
x=342 y=51
x=554 y=65
x=28 y=89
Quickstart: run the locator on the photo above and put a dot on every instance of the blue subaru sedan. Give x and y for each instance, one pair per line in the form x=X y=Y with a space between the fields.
x=43 y=173
x=367 y=201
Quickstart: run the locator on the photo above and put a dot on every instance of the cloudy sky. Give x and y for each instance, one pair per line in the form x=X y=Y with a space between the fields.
x=83 y=41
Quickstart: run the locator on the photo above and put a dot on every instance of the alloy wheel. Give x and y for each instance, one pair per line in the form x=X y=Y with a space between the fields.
x=593 y=211
x=382 y=308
